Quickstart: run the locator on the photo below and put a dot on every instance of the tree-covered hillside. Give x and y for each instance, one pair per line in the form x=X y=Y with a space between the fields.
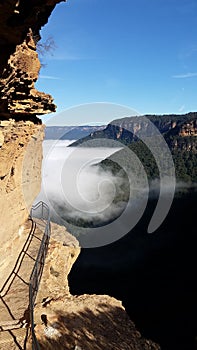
x=179 y=132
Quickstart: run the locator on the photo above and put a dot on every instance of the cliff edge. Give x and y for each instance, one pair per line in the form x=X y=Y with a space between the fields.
x=21 y=131
x=62 y=321
x=84 y=322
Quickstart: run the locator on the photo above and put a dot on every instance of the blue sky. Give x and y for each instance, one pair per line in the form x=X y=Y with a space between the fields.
x=136 y=53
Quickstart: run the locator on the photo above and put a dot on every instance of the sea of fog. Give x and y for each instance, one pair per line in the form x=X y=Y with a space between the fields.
x=96 y=205
x=68 y=175
x=75 y=189
x=153 y=275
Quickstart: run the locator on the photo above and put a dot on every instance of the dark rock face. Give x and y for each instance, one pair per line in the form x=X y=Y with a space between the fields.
x=16 y=17
x=20 y=22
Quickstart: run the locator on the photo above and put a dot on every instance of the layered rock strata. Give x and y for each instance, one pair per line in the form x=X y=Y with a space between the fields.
x=20 y=174
x=19 y=98
x=20 y=22
x=21 y=132
x=16 y=18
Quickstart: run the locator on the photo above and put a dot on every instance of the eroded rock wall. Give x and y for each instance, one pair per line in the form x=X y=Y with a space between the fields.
x=20 y=22
x=19 y=98
x=21 y=131
x=20 y=173
x=16 y=18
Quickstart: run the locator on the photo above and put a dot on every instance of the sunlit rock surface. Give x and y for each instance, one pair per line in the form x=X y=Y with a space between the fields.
x=88 y=322
x=21 y=132
x=65 y=321
x=18 y=95
x=20 y=176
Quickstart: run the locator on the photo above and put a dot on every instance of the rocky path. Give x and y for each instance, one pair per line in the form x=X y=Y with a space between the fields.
x=14 y=293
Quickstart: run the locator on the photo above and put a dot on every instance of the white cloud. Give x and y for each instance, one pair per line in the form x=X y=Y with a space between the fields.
x=51 y=77
x=181 y=109
x=185 y=75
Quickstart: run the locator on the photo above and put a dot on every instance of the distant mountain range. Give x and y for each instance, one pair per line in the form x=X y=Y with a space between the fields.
x=173 y=127
x=70 y=132
x=179 y=131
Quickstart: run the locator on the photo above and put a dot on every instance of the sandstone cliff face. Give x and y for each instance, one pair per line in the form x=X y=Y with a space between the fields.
x=189 y=129
x=62 y=253
x=18 y=95
x=21 y=132
x=16 y=17
x=131 y=128
x=20 y=174
x=20 y=22
x=88 y=322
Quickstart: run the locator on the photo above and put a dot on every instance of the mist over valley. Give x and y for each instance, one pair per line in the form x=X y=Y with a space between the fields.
x=153 y=274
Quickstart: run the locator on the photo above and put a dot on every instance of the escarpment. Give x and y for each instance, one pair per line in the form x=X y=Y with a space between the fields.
x=21 y=136
x=20 y=174
x=21 y=131
x=171 y=127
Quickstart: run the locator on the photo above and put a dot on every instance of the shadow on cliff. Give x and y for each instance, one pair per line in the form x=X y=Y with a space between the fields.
x=154 y=275
x=108 y=328
x=14 y=294
x=9 y=285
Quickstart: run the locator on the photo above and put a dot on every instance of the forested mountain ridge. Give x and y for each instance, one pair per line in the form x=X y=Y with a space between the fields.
x=130 y=129
x=179 y=131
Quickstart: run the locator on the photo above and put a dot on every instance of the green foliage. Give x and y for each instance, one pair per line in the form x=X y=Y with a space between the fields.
x=185 y=165
x=183 y=148
x=146 y=158
x=185 y=162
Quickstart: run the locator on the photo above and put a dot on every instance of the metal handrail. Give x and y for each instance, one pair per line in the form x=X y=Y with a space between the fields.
x=36 y=274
